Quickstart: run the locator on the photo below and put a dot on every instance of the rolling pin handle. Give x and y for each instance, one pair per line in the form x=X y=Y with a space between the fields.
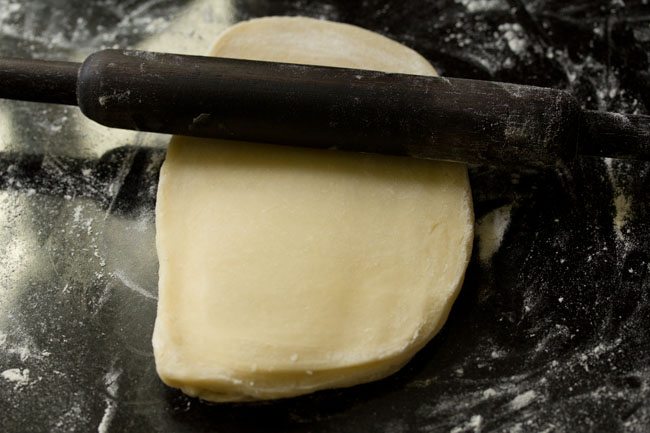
x=34 y=80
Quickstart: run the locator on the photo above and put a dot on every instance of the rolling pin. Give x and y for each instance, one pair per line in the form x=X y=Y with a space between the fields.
x=450 y=119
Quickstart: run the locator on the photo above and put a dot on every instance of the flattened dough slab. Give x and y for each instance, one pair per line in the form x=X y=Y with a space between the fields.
x=285 y=270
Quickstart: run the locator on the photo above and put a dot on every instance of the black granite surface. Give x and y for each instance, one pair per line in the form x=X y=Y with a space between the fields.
x=551 y=332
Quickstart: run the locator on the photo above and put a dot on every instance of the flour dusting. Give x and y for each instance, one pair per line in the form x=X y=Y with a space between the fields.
x=133 y=285
x=18 y=377
x=473 y=425
x=112 y=387
x=621 y=202
x=21 y=346
x=111 y=381
x=70 y=419
x=473 y=6
x=490 y=231
x=515 y=37
x=523 y=400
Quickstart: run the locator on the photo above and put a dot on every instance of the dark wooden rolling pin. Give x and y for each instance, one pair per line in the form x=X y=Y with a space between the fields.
x=423 y=117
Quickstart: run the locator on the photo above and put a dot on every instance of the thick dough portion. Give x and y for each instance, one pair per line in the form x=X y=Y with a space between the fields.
x=286 y=270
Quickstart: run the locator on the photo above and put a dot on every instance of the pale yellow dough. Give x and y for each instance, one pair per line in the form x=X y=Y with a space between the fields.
x=286 y=270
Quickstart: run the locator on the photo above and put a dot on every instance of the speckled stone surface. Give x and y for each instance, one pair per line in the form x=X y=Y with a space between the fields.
x=551 y=332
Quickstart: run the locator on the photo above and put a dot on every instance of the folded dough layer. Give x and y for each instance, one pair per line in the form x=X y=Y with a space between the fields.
x=287 y=270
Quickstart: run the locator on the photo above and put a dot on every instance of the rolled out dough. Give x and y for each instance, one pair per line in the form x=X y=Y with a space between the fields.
x=286 y=270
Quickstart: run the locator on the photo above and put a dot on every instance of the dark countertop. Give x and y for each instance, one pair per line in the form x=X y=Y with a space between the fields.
x=551 y=332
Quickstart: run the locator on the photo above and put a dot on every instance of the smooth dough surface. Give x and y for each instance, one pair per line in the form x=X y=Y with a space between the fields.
x=286 y=270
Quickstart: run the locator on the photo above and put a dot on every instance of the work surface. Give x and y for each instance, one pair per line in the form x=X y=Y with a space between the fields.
x=550 y=332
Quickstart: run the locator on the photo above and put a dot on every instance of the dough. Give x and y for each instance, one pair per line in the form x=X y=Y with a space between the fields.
x=288 y=270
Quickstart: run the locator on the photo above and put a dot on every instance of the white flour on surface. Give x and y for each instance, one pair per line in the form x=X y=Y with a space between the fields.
x=490 y=230
x=120 y=275
x=473 y=425
x=16 y=376
x=73 y=415
x=112 y=387
x=483 y=5
x=21 y=346
x=621 y=201
x=489 y=51
x=23 y=351
x=515 y=37
x=523 y=400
